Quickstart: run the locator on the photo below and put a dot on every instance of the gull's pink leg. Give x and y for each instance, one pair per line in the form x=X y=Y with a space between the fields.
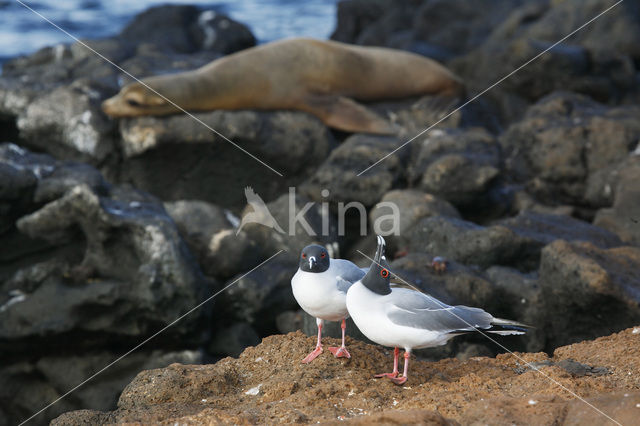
x=401 y=380
x=394 y=373
x=318 y=350
x=341 y=352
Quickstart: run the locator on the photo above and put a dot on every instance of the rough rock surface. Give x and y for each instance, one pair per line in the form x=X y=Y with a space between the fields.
x=32 y=384
x=89 y=266
x=587 y=289
x=207 y=167
x=623 y=216
x=563 y=139
x=339 y=173
x=267 y=384
x=456 y=165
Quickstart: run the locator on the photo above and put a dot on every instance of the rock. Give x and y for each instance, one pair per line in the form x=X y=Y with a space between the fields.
x=546 y=409
x=231 y=341
x=302 y=222
x=289 y=321
x=509 y=242
x=547 y=228
x=565 y=138
x=268 y=384
x=258 y=297
x=339 y=174
x=523 y=201
x=425 y=27
x=17 y=186
x=624 y=216
x=519 y=296
x=37 y=383
x=54 y=95
x=586 y=65
x=400 y=209
x=186 y=29
x=459 y=26
x=85 y=247
x=68 y=123
x=208 y=168
x=354 y=16
x=578 y=278
x=456 y=165
x=211 y=236
x=400 y=417
x=472 y=244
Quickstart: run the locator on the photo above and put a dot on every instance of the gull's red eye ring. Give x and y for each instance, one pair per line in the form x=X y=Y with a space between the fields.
x=304 y=255
x=323 y=255
x=384 y=273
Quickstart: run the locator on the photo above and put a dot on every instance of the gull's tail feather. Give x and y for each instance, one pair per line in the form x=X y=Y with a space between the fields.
x=499 y=326
x=507 y=327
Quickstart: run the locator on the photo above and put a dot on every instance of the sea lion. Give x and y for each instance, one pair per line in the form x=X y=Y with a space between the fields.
x=320 y=77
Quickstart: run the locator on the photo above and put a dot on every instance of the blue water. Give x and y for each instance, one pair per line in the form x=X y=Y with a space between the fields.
x=23 y=32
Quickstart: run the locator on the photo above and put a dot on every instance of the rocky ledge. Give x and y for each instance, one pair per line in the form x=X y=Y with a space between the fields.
x=267 y=384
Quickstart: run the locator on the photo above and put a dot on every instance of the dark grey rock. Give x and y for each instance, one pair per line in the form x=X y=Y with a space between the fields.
x=456 y=165
x=587 y=65
x=206 y=228
x=471 y=244
x=258 y=297
x=459 y=26
x=439 y=29
x=578 y=369
x=547 y=228
x=339 y=173
x=354 y=17
x=187 y=29
x=588 y=291
x=289 y=321
x=623 y=217
x=90 y=259
x=563 y=139
x=232 y=340
x=32 y=385
x=316 y=225
x=402 y=208
x=206 y=167
x=520 y=297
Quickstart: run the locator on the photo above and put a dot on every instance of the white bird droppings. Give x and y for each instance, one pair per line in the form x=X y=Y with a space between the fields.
x=532 y=402
x=254 y=391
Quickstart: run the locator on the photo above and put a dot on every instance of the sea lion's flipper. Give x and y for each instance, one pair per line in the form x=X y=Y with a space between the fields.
x=346 y=114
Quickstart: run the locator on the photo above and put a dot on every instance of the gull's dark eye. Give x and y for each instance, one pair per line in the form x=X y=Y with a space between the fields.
x=304 y=255
x=133 y=103
x=323 y=255
x=384 y=273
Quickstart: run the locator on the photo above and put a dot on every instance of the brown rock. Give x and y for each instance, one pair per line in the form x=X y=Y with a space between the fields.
x=267 y=384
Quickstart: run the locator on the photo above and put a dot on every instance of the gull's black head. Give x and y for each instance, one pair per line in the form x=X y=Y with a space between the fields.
x=314 y=258
x=379 y=275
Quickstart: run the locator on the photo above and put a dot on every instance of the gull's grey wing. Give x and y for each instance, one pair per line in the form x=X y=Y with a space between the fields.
x=414 y=309
x=347 y=273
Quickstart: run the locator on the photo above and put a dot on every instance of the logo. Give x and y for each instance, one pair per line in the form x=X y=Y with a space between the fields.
x=384 y=224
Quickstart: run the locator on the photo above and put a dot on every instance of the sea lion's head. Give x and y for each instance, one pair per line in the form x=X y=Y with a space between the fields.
x=136 y=99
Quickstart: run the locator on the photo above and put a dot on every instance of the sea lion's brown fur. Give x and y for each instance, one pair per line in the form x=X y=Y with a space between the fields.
x=319 y=77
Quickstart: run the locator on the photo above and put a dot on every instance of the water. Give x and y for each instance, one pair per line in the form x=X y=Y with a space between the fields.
x=23 y=32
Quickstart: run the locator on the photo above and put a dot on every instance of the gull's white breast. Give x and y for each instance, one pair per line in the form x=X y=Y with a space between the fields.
x=318 y=294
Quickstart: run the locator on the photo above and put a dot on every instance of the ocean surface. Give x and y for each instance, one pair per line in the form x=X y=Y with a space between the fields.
x=23 y=32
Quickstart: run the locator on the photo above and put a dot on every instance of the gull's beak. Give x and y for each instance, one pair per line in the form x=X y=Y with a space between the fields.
x=380 y=250
x=312 y=261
